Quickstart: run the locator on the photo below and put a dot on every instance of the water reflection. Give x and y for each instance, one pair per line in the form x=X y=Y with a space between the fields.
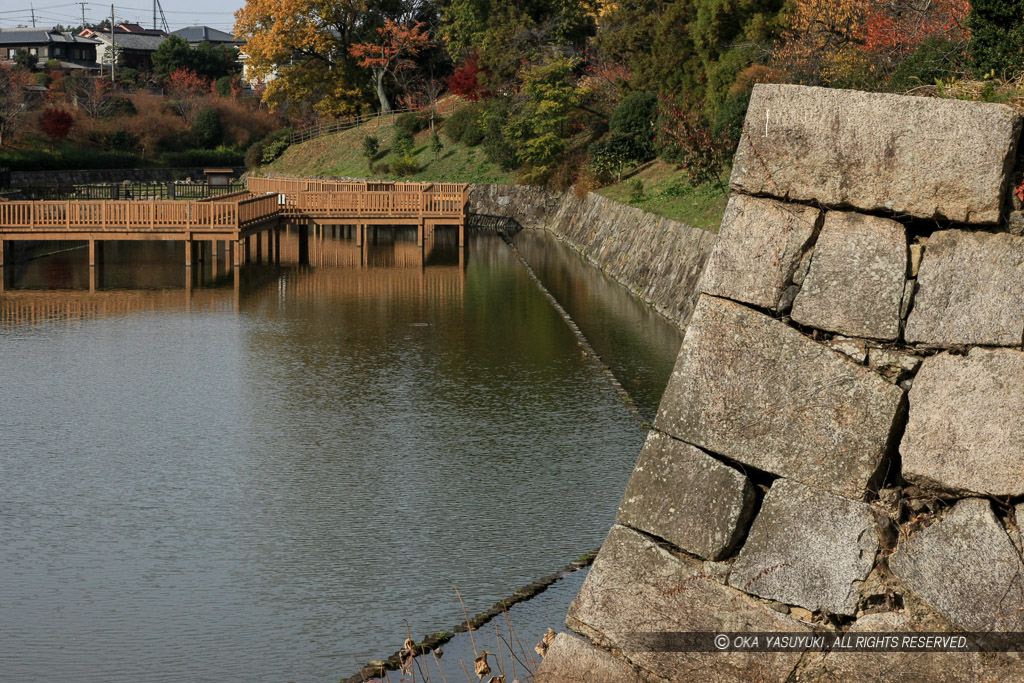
x=288 y=464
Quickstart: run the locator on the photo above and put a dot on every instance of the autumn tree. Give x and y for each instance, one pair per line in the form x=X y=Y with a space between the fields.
x=300 y=49
x=13 y=82
x=185 y=89
x=391 y=54
x=55 y=124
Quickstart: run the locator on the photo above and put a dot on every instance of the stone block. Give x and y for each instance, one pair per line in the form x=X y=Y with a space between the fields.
x=916 y=252
x=808 y=548
x=855 y=284
x=683 y=495
x=856 y=349
x=752 y=389
x=930 y=158
x=572 y=660
x=895 y=366
x=637 y=587
x=965 y=429
x=966 y=568
x=970 y=290
x=759 y=248
x=906 y=667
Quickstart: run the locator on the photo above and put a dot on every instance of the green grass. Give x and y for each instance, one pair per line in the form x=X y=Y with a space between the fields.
x=667 y=193
x=341 y=155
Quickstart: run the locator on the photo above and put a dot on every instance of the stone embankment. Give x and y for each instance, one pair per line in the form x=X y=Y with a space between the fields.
x=840 y=448
x=658 y=259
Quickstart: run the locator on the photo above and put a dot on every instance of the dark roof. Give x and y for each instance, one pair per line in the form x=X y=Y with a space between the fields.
x=133 y=41
x=39 y=36
x=197 y=34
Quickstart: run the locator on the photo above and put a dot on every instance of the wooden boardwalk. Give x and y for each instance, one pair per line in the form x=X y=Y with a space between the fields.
x=236 y=218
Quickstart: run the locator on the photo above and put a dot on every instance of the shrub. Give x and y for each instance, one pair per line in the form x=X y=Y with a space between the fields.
x=222 y=156
x=402 y=142
x=254 y=155
x=634 y=118
x=118 y=105
x=636 y=191
x=55 y=124
x=935 y=58
x=227 y=86
x=496 y=147
x=686 y=138
x=997 y=33
x=122 y=139
x=609 y=157
x=728 y=125
x=461 y=121
x=371 y=146
x=404 y=165
x=208 y=129
x=413 y=121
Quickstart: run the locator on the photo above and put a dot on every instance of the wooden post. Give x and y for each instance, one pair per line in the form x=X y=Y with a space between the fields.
x=462 y=234
x=359 y=235
x=92 y=252
x=237 y=246
x=277 y=245
x=420 y=228
x=3 y=248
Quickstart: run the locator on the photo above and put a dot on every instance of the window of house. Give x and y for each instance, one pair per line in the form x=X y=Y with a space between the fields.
x=56 y=52
x=33 y=51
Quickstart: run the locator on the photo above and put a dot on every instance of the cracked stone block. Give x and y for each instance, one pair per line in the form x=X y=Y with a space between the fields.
x=916 y=252
x=637 y=587
x=970 y=290
x=683 y=495
x=748 y=387
x=930 y=158
x=966 y=568
x=906 y=667
x=808 y=548
x=893 y=365
x=573 y=660
x=854 y=348
x=857 y=276
x=965 y=430
x=758 y=250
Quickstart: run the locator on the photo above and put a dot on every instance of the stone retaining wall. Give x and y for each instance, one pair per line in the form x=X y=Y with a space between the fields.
x=658 y=259
x=840 y=448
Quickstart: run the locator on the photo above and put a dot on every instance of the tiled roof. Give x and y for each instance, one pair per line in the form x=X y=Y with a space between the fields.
x=39 y=36
x=133 y=41
x=197 y=34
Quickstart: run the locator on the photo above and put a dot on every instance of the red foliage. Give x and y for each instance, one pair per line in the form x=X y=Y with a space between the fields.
x=465 y=81
x=895 y=28
x=185 y=88
x=685 y=134
x=55 y=123
x=397 y=42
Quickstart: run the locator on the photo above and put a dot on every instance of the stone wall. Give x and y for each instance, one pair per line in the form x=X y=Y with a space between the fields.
x=840 y=448
x=658 y=259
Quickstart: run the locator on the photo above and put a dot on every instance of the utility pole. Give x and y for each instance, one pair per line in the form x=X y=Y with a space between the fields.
x=113 y=46
x=83 y=15
x=154 y=15
x=33 y=8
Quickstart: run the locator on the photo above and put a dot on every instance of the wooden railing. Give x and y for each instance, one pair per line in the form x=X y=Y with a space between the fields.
x=130 y=215
x=367 y=198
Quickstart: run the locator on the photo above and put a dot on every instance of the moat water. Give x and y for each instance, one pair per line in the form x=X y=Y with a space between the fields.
x=269 y=477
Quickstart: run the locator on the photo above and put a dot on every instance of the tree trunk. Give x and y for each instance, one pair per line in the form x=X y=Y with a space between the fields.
x=378 y=77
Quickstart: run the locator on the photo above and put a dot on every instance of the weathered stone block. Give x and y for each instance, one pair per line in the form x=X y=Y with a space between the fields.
x=893 y=365
x=906 y=667
x=637 y=587
x=855 y=284
x=965 y=430
x=808 y=548
x=759 y=247
x=970 y=290
x=856 y=349
x=752 y=389
x=931 y=158
x=966 y=567
x=572 y=660
x=681 y=494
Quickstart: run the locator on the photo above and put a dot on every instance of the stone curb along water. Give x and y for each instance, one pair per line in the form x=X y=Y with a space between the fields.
x=855 y=358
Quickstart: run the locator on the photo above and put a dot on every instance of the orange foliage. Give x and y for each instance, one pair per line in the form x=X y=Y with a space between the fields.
x=895 y=28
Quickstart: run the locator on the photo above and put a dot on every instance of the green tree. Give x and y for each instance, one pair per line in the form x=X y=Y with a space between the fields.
x=997 y=34
x=25 y=59
x=208 y=129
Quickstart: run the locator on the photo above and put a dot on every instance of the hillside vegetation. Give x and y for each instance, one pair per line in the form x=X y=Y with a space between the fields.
x=657 y=187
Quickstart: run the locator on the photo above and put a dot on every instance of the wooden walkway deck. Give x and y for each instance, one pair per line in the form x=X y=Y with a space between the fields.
x=235 y=218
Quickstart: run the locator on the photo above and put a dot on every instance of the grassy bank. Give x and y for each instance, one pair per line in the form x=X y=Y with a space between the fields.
x=665 y=191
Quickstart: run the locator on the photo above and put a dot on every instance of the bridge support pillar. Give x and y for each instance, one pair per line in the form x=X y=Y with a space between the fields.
x=3 y=248
x=277 y=245
x=359 y=235
x=248 y=252
x=462 y=235
x=237 y=248
x=92 y=253
x=271 y=253
x=189 y=244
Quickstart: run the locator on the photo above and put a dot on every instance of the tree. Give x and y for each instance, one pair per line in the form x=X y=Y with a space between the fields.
x=55 y=124
x=25 y=59
x=205 y=60
x=465 y=80
x=91 y=95
x=305 y=44
x=208 y=129
x=13 y=82
x=186 y=89
x=997 y=34
x=398 y=43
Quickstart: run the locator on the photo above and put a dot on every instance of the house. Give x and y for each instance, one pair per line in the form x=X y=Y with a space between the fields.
x=73 y=52
x=195 y=35
x=134 y=44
